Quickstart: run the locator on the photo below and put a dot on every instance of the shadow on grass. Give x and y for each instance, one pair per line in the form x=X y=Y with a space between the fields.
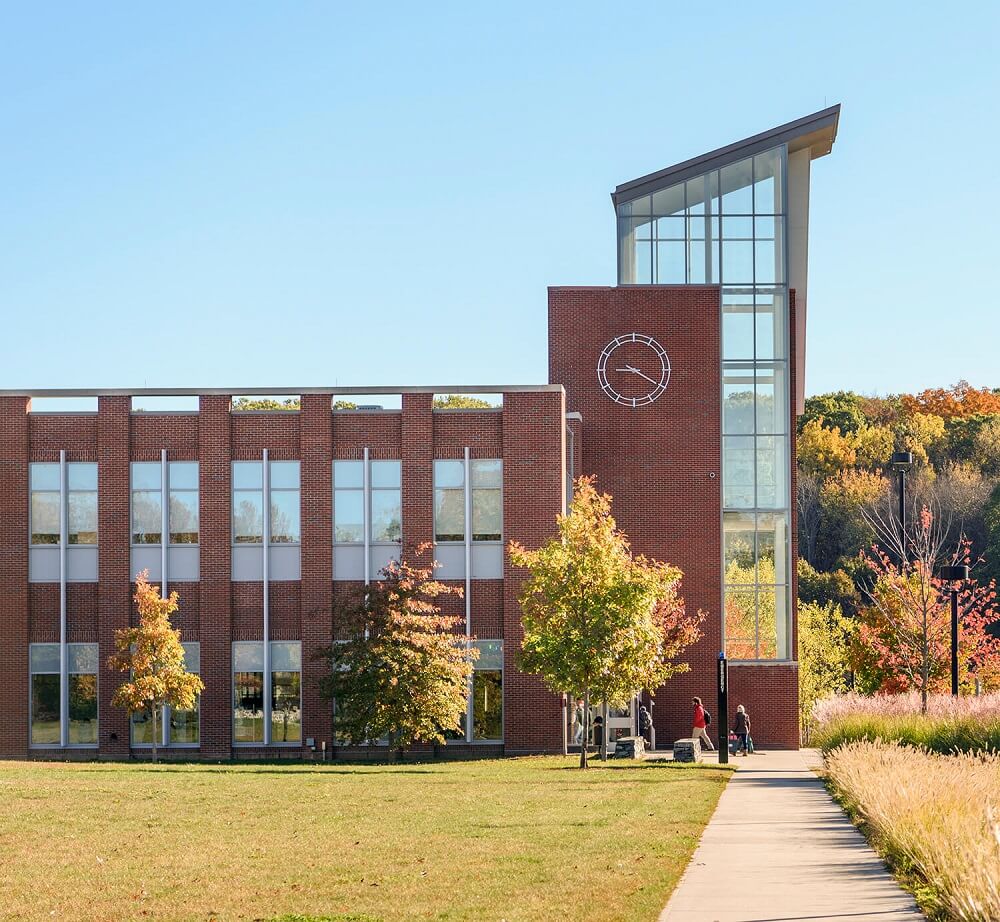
x=256 y=768
x=657 y=765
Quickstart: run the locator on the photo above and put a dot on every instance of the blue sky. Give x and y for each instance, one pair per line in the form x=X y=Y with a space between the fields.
x=312 y=194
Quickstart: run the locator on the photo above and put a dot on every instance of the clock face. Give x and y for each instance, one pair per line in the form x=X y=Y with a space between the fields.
x=633 y=369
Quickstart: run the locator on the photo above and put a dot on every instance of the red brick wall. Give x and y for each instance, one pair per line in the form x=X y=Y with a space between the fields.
x=216 y=611
x=662 y=464
x=14 y=427
x=534 y=434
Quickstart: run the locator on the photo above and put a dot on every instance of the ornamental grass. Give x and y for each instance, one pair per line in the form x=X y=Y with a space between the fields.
x=935 y=818
x=964 y=724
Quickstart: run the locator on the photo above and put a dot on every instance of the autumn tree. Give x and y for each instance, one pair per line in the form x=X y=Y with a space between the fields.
x=903 y=639
x=265 y=403
x=402 y=670
x=460 y=402
x=807 y=488
x=290 y=403
x=153 y=655
x=843 y=410
x=920 y=434
x=961 y=399
x=843 y=499
x=873 y=446
x=830 y=586
x=824 y=656
x=824 y=451
x=599 y=622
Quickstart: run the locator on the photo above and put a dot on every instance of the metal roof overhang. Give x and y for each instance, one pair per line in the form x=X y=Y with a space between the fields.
x=817 y=132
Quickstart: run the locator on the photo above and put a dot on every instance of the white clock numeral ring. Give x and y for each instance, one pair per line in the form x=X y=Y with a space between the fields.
x=656 y=362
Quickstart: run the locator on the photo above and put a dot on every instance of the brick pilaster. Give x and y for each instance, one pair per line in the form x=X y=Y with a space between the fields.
x=534 y=484
x=215 y=602
x=316 y=440
x=13 y=576
x=114 y=601
x=417 y=455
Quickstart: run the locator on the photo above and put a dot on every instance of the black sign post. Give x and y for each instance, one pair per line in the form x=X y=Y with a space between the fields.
x=722 y=715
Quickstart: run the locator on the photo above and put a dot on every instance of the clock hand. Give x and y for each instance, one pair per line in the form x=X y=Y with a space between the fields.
x=647 y=377
x=636 y=371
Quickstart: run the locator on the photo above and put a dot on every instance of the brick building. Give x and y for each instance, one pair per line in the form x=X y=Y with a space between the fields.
x=678 y=388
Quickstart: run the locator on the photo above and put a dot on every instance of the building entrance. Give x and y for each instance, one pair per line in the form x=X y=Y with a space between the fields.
x=616 y=723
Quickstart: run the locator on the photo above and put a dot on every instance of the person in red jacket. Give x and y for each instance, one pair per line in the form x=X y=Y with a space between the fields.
x=699 y=732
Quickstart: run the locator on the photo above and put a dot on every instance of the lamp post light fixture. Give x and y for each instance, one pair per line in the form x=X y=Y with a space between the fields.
x=901 y=462
x=954 y=575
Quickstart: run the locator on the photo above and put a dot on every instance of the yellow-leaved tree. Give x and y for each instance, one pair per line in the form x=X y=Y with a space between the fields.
x=598 y=620
x=152 y=654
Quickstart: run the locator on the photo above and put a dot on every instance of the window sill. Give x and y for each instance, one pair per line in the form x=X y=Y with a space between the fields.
x=263 y=745
x=763 y=662
x=148 y=746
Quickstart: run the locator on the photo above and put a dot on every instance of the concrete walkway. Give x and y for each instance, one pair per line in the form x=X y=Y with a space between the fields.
x=778 y=849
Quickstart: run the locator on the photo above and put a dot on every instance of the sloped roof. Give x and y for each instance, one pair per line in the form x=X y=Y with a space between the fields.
x=816 y=132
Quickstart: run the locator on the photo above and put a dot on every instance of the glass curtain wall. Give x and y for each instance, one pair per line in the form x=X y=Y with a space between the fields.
x=727 y=227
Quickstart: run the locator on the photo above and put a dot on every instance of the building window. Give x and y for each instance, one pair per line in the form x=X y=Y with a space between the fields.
x=449 y=500
x=285 y=506
x=286 y=692
x=46 y=694
x=248 y=692
x=487 y=691
x=184 y=725
x=755 y=421
x=147 y=514
x=182 y=482
x=348 y=502
x=248 y=502
x=45 y=494
x=81 y=503
x=384 y=499
x=82 y=499
x=386 y=503
x=147 y=502
x=487 y=500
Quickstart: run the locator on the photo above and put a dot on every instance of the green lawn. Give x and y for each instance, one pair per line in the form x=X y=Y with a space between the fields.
x=512 y=839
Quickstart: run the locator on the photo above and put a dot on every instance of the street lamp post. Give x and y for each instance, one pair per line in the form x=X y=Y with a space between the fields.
x=722 y=715
x=901 y=462
x=954 y=575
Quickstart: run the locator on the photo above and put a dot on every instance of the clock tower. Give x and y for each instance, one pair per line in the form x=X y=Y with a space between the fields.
x=640 y=365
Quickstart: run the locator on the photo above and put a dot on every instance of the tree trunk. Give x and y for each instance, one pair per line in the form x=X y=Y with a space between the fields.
x=586 y=728
x=154 y=709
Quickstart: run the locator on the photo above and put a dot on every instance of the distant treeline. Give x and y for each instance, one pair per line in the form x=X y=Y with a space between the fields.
x=845 y=441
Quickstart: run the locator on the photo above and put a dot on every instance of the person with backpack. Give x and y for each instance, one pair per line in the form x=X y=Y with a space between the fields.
x=741 y=727
x=702 y=719
x=645 y=724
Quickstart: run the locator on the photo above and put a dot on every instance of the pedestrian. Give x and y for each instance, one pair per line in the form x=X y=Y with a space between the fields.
x=645 y=724
x=578 y=722
x=701 y=720
x=741 y=727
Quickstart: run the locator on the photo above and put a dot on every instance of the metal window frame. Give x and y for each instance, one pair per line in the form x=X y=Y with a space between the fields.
x=266 y=709
x=64 y=674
